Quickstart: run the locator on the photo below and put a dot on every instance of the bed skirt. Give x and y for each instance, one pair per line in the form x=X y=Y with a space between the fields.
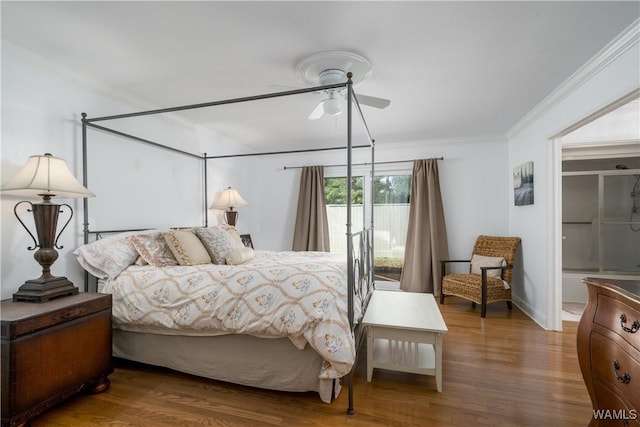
x=270 y=363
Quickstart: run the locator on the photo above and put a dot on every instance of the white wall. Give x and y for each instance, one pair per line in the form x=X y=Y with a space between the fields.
x=611 y=75
x=41 y=107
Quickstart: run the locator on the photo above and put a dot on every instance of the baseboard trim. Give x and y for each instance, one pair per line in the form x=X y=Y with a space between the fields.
x=537 y=316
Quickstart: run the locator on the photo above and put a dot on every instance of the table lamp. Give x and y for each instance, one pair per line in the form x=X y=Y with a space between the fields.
x=45 y=176
x=228 y=200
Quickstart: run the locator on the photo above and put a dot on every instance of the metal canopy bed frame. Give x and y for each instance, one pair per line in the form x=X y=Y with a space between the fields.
x=360 y=279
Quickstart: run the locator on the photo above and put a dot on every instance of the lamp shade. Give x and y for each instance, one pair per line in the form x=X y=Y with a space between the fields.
x=229 y=199
x=46 y=175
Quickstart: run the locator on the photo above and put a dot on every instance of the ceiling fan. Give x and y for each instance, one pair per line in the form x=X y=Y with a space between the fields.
x=326 y=68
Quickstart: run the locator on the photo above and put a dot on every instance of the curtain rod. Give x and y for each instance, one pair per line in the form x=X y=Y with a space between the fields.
x=363 y=164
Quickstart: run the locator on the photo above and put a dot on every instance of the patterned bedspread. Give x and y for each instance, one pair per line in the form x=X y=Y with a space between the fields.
x=300 y=295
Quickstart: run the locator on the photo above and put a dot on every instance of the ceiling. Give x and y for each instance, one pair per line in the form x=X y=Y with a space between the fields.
x=450 y=69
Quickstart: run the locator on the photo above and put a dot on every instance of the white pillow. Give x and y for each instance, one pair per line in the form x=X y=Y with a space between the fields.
x=478 y=261
x=240 y=256
x=108 y=257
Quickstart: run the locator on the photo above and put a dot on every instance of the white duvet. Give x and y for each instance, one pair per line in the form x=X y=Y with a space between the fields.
x=300 y=295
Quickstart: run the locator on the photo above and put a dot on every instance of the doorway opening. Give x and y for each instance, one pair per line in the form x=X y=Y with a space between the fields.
x=599 y=212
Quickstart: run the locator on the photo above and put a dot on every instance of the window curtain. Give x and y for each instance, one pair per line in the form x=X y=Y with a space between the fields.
x=311 y=231
x=426 y=242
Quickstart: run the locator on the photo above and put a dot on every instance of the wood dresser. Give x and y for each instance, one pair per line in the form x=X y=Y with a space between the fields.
x=609 y=351
x=52 y=350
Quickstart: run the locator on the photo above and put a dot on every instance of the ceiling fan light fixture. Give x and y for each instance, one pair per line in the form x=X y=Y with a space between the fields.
x=332 y=106
x=332 y=67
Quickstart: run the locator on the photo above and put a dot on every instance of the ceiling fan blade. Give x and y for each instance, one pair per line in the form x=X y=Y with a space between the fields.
x=372 y=101
x=317 y=112
x=360 y=70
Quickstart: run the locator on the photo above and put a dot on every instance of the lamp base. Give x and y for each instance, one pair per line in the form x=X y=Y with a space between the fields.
x=42 y=290
x=231 y=217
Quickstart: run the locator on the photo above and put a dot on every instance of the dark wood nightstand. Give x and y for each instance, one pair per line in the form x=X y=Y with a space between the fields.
x=51 y=351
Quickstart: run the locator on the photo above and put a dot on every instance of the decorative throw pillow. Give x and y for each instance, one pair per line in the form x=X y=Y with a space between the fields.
x=140 y=262
x=187 y=247
x=478 y=261
x=233 y=232
x=154 y=249
x=240 y=256
x=218 y=243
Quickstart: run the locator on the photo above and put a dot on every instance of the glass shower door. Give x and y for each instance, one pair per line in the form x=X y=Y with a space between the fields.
x=580 y=223
x=620 y=223
x=601 y=222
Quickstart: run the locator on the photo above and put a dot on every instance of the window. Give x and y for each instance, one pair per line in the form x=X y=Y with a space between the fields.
x=391 y=215
x=335 y=193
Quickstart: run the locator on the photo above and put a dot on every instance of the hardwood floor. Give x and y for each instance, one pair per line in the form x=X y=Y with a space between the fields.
x=503 y=370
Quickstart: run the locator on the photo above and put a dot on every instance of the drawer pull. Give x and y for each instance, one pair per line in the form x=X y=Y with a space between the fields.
x=625 y=378
x=635 y=326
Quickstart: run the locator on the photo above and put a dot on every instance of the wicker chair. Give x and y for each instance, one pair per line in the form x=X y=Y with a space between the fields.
x=481 y=288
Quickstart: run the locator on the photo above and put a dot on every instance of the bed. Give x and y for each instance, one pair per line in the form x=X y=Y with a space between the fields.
x=208 y=318
x=277 y=320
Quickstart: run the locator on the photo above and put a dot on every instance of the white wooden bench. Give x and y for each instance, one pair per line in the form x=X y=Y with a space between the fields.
x=404 y=333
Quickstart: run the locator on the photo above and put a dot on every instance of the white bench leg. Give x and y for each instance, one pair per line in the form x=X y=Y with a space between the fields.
x=369 y=353
x=438 y=354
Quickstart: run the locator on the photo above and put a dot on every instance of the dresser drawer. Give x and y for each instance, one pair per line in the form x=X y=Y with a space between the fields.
x=619 y=317
x=612 y=411
x=612 y=364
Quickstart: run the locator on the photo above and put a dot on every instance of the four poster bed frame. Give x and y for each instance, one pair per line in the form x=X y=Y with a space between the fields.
x=360 y=279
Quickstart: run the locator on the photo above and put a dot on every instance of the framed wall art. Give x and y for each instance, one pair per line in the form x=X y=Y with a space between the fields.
x=523 y=184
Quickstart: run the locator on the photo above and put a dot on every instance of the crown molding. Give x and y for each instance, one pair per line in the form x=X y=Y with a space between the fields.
x=438 y=141
x=629 y=38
